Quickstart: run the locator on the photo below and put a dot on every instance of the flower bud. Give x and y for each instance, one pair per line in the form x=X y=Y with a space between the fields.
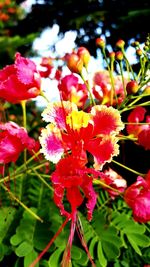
x=135 y=44
x=84 y=55
x=74 y=63
x=112 y=55
x=139 y=52
x=146 y=48
x=147 y=90
x=119 y=55
x=120 y=43
x=132 y=87
x=100 y=42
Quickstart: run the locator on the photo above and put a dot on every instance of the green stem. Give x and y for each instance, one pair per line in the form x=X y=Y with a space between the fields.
x=122 y=77
x=42 y=180
x=23 y=104
x=92 y=101
x=99 y=182
x=128 y=108
x=113 y=92
x=28 y=161
x=21 y=204
x=128 y=64
x=44 y=96
x=127 y=168
x=49 y=244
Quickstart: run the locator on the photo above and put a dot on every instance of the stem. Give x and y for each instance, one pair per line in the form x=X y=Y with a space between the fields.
x=23 y=104
x=123 y=83
x=128 y=64
x=21 y=204
x=43 y=181
x=45 y=97
x=28 y=161
x=103 y=184
x=49 y=244
x=92 y=101
x=128 y=108
x=113 y=92
x=129 y=169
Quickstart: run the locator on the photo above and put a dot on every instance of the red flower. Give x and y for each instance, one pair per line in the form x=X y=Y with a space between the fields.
x=19 y=81
x=144 y=138
x=47 y=67
x=114 y=180
x=141 y=131
x=102 y=88
x=137 y=196
x=72 y=90
x=13 y=140
x=70 y=176
x=79 y=132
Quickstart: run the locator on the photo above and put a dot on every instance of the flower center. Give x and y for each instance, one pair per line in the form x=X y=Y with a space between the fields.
x=77 y=119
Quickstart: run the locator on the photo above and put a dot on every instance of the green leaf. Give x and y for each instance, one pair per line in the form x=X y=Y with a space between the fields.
x=92 y=246
x=79 y=256
x=24 y=249
x=29 y=258
x=100 y=254
x=111 y=250
x=134 y=245
x=6 y=217
x=54 y=260
x=140 y=240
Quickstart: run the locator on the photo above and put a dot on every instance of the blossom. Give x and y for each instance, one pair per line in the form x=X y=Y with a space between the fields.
x=79 y=132
x=102 y=88
x=113 y=180
x=13 y=140
x=138 y=130
x=47 y=67
x=137 y=197
x=70 y=89
x=19 y=81
x=70 y=176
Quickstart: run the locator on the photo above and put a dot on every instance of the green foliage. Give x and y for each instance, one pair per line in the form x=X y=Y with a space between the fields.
x=9 y=46
x=112 y=236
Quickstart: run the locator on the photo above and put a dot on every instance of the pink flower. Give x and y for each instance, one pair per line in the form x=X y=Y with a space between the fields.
x=13 y=140
x=19 y=81
x=137 y=197
x=80 y=132
x=114 y=180
x=72 y=90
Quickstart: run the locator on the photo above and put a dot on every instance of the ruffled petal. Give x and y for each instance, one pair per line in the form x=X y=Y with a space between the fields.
x=107 y=120
x=25 y=69
x=90 y=195
x=57 y=112
x=51 y=143
x=103 y=150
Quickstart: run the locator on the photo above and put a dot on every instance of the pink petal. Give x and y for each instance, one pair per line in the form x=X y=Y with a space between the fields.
x=57 y=112
x=51 y=143
x=25 y=69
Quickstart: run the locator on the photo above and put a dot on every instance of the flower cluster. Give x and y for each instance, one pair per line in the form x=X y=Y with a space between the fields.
x=83 y=132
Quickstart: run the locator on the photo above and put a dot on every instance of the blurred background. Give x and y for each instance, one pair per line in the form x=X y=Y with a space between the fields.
x=55 y=27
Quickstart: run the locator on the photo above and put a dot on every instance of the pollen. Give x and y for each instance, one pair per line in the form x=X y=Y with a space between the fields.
x=78 y=119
